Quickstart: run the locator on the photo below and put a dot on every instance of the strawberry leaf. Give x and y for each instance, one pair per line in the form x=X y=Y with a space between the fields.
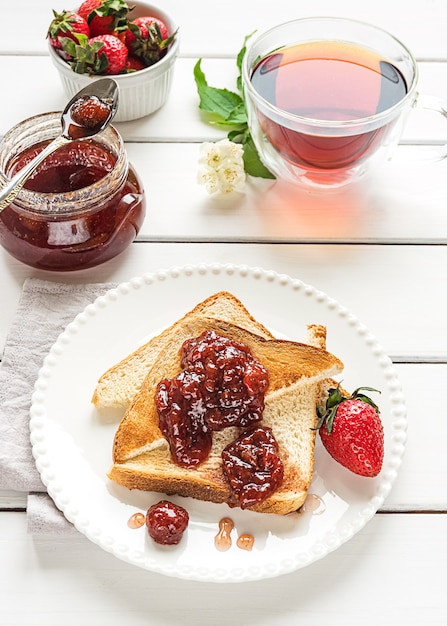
x=107 y=7
x=118 y=9
x=361 y=396
x=84 y=58
x=335 y=397
x=61 y=23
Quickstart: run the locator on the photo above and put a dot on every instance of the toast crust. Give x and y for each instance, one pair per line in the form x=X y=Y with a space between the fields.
x=118 y=385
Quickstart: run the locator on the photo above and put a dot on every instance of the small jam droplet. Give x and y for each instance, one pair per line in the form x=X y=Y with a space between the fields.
x=313 y=504
x=137 y=520
x=245 y=541
x=222 y=540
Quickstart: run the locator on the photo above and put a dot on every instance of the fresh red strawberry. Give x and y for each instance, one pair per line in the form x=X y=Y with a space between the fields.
x=147 y=38
x=66 y=24
x=352 y=432
x=114 y=51
x=143 y=25
x=105 y=54
x=134 y=65
x=105 y=16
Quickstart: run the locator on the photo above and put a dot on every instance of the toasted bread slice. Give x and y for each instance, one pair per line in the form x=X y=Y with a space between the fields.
x=118 y=385
x=316 y=336
x=141 y=454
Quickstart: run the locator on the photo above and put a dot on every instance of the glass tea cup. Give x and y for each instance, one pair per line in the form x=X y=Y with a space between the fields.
x=327 y=97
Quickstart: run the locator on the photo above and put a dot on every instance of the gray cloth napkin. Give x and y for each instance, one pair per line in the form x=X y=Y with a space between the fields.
x=44 y=518
x=44 y=310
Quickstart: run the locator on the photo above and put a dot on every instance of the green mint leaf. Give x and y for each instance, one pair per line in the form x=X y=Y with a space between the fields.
x=238 y=115
x=238 y=135
x=252 y=163
x=219 y=102
x=240 y=58
x=227 y=109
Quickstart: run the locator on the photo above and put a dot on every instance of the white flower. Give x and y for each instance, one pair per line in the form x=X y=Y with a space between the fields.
x=221 y=167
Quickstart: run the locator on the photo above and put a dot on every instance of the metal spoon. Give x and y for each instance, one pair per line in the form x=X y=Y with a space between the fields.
x=75 y=125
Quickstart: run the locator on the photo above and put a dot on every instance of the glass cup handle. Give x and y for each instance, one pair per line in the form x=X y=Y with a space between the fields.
x=435 y=105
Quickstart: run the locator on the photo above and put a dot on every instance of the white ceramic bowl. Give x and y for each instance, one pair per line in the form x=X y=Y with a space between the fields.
x=141 y=92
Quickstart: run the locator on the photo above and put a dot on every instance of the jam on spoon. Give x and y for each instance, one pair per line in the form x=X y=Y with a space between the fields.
x=89 y=112
x=87 y=116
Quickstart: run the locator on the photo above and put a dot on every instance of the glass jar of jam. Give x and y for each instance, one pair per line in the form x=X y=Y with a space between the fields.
x=81 y=207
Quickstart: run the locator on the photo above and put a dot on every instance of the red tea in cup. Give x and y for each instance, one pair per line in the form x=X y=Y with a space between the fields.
x=326 y=81
x=328 y=97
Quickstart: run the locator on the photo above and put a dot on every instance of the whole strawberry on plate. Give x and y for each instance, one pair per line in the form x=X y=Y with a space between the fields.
x=352 y=432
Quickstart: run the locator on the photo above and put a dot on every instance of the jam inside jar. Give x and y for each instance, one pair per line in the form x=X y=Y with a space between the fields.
x=82 y=206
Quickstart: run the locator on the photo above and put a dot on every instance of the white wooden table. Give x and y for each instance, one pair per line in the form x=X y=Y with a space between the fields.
x=382 y=253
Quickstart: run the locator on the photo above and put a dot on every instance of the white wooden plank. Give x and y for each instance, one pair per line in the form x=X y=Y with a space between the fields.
x=404 y=202
x=420 y=485
x=12 y=500
x=389 y=574
x=220 y=31
x=385 y=286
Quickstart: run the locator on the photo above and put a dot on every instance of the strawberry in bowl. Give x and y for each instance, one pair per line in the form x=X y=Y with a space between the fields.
x=105 y=17
x=136 y=44
x=66 y=24
x=148 y=39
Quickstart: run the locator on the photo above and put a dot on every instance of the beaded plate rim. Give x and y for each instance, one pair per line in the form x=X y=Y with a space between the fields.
x=45 y=442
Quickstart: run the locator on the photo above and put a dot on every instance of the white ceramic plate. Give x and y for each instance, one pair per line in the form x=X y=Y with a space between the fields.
x=72 y=441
